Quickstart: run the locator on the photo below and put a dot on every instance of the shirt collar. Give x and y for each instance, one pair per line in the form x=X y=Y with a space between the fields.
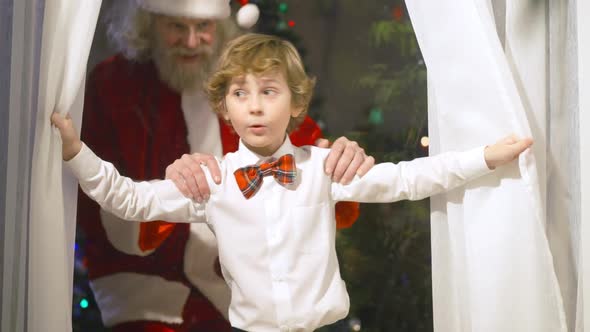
x=248 y=157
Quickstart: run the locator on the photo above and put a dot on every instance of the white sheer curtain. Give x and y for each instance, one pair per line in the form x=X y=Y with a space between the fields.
x=505 y=249
x=582 y=40
x=563 y=152
x=20 y=26
x=68 y=30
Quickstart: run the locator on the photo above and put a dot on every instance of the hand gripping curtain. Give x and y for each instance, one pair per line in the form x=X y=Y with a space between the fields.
x=68 y=28
x=492 y=264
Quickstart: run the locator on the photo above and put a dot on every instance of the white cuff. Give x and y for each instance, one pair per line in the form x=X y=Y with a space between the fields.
x=473 y=163
x=85 y=164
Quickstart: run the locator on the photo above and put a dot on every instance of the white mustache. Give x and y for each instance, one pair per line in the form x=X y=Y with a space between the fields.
x=191 y=52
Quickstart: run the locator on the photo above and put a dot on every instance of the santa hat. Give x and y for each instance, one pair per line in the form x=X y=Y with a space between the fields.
x=202 y=9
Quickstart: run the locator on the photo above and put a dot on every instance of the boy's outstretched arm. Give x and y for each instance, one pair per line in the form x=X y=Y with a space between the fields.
x=128 y=200
x=505 y=150
x=71 y=143
x=423 y=177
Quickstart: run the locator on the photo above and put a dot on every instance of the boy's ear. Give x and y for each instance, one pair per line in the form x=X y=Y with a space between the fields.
x=296 y=111
x=223 y=112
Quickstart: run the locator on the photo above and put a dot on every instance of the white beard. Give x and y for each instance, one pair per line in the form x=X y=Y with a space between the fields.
x=181 y=77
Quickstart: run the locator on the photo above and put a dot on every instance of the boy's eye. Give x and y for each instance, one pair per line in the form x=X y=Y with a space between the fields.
x=269 y=92
x=239 y=93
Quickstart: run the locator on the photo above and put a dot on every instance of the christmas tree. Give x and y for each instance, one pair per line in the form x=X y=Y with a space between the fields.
x=385 y=256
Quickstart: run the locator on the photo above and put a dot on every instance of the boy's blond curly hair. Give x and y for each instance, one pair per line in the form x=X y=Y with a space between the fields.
x=258 y=54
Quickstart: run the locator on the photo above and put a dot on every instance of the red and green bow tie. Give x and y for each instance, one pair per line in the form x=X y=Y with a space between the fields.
x=249 y=178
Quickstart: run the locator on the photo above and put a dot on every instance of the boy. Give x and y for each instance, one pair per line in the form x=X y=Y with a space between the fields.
x=276 y=236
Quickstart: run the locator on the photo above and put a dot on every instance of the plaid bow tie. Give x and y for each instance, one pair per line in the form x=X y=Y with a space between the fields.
x=249 y=178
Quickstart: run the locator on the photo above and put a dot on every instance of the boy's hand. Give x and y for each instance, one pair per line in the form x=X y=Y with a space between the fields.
x=505 y=150
x=71 y=143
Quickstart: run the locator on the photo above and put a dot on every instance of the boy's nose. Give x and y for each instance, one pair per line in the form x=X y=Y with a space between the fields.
x=254 y=105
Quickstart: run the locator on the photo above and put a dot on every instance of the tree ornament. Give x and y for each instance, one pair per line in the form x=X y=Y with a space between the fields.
x=397 y=13
x=283 y=7
x=376 y=116
x=282 y=25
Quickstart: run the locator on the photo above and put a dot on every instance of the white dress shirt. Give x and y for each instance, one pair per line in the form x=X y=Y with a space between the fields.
x=277 y=249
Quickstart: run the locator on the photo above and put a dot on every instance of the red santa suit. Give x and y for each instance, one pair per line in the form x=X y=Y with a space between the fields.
x=156 y=276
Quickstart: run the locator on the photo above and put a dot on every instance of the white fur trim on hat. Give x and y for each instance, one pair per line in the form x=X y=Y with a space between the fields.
x=200 y=9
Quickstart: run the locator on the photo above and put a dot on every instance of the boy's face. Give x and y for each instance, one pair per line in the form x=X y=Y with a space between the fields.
x=259 y=108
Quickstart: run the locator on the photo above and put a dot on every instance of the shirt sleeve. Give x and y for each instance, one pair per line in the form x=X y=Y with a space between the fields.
x=414 y=180
x=129 y=200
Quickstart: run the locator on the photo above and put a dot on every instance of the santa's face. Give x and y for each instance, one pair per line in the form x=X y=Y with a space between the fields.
x=183 y=50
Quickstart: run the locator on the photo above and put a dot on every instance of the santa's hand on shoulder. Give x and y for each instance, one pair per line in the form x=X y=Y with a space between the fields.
x=189 y=177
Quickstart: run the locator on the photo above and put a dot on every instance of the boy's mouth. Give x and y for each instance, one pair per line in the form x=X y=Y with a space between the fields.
x=257 y=128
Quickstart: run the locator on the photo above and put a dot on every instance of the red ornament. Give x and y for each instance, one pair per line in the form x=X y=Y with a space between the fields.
x=291 y=23
x=243 y=2
x=397 y=13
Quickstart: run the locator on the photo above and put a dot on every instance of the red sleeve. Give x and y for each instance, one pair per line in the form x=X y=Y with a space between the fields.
x=307 y=134
x=93 y=133
x=97 y=127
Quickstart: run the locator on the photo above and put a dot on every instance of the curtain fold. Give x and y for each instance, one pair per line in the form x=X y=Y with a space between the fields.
x=493 y=268
x=582 y=41
x=19 y=54
x=563 y=152
x=68 y=29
